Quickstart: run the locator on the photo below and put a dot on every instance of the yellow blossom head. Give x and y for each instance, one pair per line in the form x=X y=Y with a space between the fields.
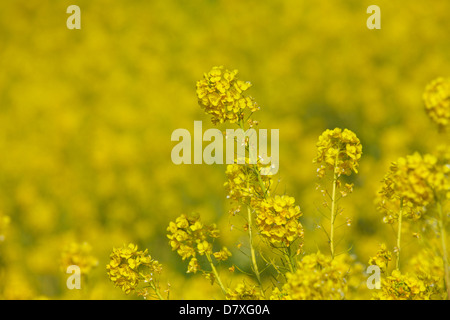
x=277 y=219
x=339 y=151
x=129 y=267
x=318 y=277
x=79 y=254
x=400 y=286
x=190 y=237
x=437 y=101
x=222 y=96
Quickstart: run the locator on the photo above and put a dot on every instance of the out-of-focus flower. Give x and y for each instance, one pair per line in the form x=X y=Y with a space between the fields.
x=437 y=101
x=416 y=181
x=221 y=94
x=4 y=222
x=79 y=255
x=318 y=277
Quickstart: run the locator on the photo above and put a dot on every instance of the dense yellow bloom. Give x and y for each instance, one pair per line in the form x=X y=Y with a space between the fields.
x=129 y=267
x=339 y=151
x=79 y=255
x=277 y=219
x=400 y=286
x=437 y=101
x=318 y=277
x=415 y=180
x=244 y=291
x=221 y=94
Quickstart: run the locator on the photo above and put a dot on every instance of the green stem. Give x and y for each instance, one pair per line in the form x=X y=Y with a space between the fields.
x=333 y=213
x=156 y=291
x=252 y=250
x=399 y=235
x=213 y=268
x=289 y=259
x=444 y=249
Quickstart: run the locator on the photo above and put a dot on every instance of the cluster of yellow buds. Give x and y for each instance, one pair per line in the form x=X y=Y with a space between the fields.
x=437 y=101
x=189 y=237
x=318 y=277
x=277 y=219
x=129 y=267
x=79 y=254
x=221 y=95
x=339 y=151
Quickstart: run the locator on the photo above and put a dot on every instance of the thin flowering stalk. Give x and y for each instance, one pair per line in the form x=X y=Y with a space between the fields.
x=333 y=208
x=250 y=219
x=399 y=235
x=444 y=249
x=216 y=274
x=252 y=250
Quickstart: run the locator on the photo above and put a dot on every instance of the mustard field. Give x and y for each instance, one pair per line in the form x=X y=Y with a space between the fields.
x=118 y=172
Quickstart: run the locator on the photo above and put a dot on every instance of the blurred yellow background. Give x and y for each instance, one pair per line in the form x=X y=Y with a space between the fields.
x=86 y=118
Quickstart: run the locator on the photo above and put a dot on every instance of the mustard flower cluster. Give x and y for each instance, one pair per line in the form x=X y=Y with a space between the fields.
x=437 y=101
x=190 y=237
x=339 y=151
x=277 y=219
x=130 y=267
x=390 y=202
x=244 y=291
x=79 y=255
x=429 y=268
x=245 y=182
x=318 y=277
x=400 y=286
x=221 y=95
x=415 y=180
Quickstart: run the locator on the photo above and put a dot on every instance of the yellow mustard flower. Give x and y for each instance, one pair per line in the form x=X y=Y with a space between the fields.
x=245 y=182
x=244 y=291
x=318 y=277
x=382 y=258
x=400 y=286
x=437 y=101
x=79 y=254
x=129 y=267
x=339 y=151
x=188 y=236
x=277 y=219
x=221 y=95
